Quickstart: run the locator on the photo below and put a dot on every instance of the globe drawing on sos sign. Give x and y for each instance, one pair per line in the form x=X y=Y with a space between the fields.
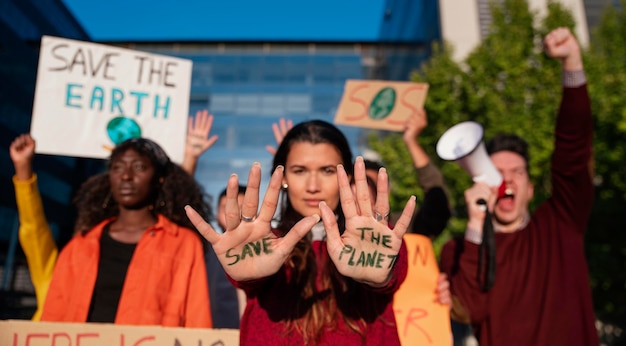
x=120 y=129
x=383 y=103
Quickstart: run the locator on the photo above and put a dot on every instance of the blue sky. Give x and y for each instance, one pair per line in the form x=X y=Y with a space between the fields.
x=237 y=20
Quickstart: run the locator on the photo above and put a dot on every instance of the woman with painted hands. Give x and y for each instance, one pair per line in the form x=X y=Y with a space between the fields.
x=310 y=282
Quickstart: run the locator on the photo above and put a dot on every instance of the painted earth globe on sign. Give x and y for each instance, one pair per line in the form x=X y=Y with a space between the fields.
x=120 y=129
x=383 y=103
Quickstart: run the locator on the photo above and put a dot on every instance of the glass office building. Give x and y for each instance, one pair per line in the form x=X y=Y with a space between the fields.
x=247 y=87
x=22 y=23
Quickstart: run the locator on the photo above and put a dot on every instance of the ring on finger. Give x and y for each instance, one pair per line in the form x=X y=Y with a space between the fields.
x=381 y=217
x=247 y=218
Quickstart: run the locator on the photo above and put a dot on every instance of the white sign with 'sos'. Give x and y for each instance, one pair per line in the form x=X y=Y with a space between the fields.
x=91 y=97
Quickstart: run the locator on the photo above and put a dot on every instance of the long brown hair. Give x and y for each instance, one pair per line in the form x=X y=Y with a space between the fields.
x=317 y=310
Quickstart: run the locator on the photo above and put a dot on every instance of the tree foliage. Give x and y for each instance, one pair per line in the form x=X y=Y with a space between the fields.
x=508 y=84
x=606 y=241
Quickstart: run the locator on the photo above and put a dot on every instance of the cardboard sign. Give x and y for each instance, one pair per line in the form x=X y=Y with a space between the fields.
x=383 y=105
x=90 y=97
x=421 y=320
x=27 y=333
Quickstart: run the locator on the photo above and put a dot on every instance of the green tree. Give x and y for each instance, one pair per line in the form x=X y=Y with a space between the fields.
x=606 y=240
x=445 y=106
x=509 y=85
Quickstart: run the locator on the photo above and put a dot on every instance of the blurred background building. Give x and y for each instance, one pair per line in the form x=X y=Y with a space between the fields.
x=253 y=63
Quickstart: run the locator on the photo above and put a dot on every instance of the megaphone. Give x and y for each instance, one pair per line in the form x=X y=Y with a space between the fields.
x=463 y=143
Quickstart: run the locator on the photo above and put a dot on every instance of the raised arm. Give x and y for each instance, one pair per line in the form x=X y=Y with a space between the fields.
x=412 y=129
x=198 y=139
x=434 y=213
x=279 y=129
x=561 y=44
x=22 y=151
x=572 y=188
x=34 y=233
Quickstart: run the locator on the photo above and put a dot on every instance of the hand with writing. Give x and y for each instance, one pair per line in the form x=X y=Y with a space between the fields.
x=280 y=129
x=248 y=249
x=198 y=140
x=367 y=249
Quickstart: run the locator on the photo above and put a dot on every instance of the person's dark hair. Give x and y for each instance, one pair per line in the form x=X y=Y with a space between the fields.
x=370 y=183
x=314 y=132
x=509 y=142
x=173 y=189
x=241 y=190
x=373 y=165
x=314 y=309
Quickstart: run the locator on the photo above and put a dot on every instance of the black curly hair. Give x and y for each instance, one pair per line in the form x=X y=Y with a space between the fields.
x=173 y=189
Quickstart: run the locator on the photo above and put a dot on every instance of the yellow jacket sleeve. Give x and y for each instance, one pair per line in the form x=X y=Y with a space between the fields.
x=35 y=238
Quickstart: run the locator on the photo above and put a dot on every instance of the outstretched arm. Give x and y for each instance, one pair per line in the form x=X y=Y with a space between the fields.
x=367 y=250
x=248 y=249
x=198 y=140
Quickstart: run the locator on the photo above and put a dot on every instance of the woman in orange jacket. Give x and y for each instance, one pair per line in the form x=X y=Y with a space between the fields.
x=134 y=258
x=35 y=235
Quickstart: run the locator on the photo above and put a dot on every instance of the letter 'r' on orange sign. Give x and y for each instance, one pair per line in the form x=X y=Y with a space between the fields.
x=382 y=105
x=420 y=319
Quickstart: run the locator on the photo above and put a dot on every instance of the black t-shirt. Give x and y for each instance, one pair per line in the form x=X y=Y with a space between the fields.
x=112 y=266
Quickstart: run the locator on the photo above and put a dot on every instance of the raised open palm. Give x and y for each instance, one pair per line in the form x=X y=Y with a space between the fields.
x=198 y=130
x=248 y=249
x=280 y=129
x=367 y=249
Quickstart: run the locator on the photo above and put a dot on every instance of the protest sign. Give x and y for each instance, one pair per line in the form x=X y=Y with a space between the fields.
x=421 y=320
x=382 y=105
x=90 y=97
x=28 y=333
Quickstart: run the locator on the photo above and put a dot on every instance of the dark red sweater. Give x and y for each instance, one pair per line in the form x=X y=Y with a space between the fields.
x=541 y=294
x=271 y=300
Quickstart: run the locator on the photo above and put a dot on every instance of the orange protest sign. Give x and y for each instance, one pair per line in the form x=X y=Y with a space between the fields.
x=27 y=333
x=383 y=105
x=421 y=320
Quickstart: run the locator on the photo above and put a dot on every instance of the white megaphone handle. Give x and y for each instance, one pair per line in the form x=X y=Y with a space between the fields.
x=482 y=204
